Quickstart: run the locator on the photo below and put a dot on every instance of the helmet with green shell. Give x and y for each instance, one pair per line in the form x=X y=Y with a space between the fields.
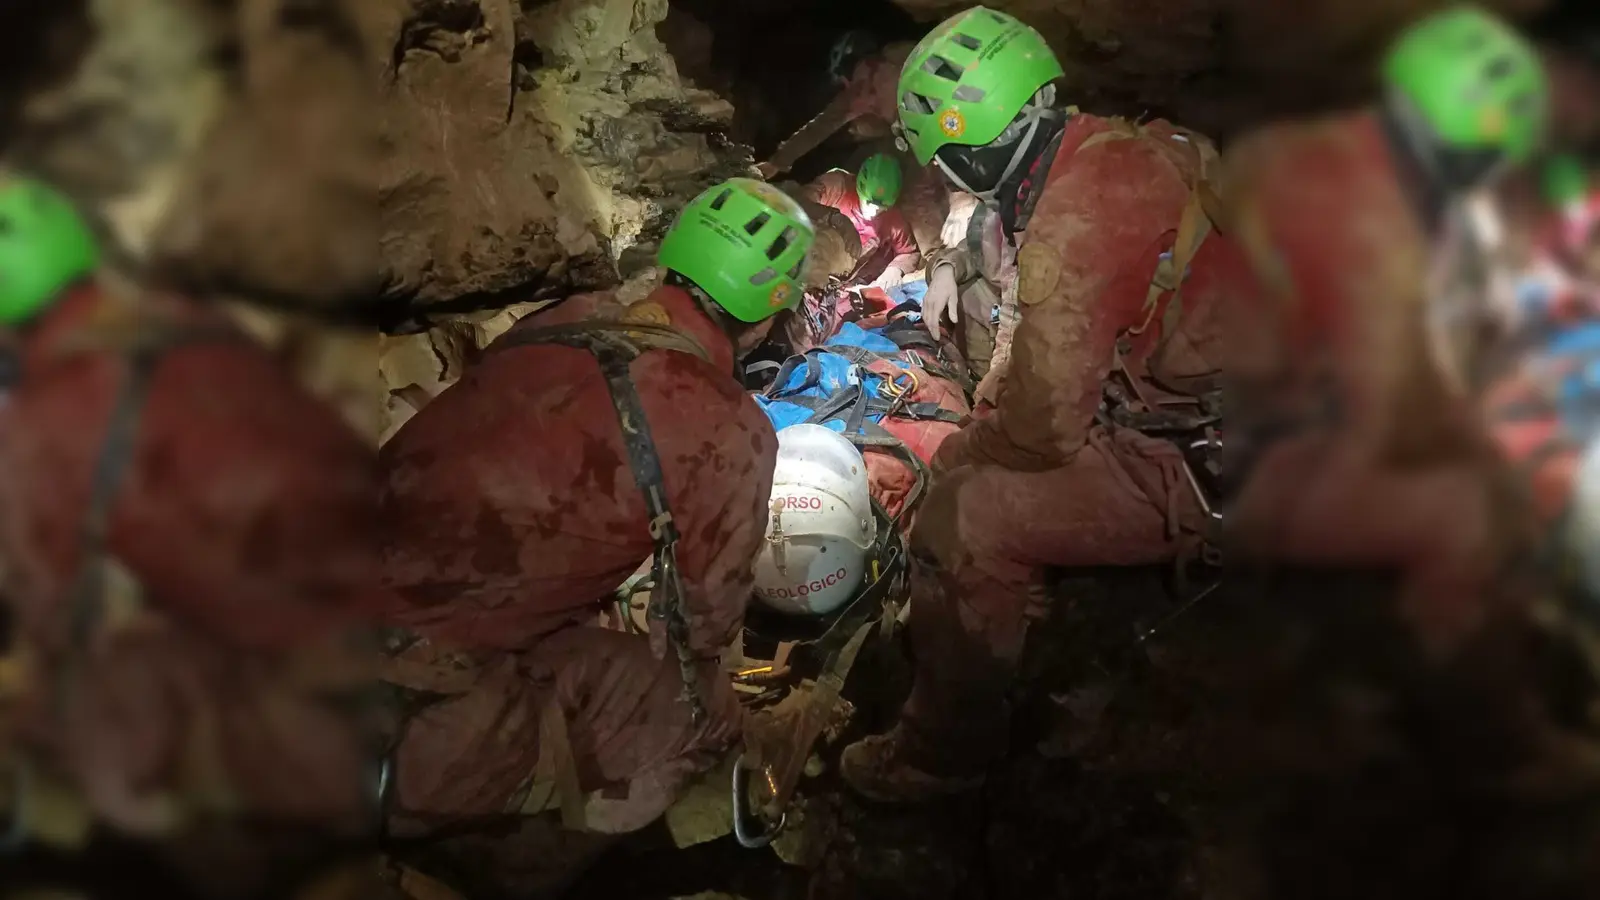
x=1473 y=82
x=44 y=247
x=1565 y=181
x=878 y=182
x=744 y=243
x=968 y=78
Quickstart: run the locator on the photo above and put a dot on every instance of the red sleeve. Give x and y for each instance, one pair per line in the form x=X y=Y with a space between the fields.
x=1102 y=209
x=833 y=189
x=895 y=232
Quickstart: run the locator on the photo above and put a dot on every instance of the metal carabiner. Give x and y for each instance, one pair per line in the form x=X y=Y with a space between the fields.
x=742 y=815
x=1194 y=480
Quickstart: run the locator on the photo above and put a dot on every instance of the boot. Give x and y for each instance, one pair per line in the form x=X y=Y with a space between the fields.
x=875 y=768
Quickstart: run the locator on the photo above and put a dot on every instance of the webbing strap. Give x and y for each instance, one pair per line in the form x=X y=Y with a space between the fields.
x=855 y=401
x=813 y=373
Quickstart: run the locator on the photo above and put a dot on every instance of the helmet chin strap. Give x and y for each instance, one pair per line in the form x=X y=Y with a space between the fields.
x=1039 y=110
x=1421 y=142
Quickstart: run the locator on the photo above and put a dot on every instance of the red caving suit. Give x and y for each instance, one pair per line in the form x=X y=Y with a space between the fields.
x=513 y=514
x=1039 y=483
x=245 y=510
x=1389 y=466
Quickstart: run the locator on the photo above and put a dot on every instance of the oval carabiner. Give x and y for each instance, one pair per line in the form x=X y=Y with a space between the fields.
x=742 y=815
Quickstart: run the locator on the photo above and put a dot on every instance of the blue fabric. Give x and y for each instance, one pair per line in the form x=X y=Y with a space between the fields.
x=832 y=374
x=1578 y=340
x=909 y=292
x=852 y=335
x=1579 y=391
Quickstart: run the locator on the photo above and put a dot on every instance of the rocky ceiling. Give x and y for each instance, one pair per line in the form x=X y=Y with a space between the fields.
x=528 y=148
x=520 y=151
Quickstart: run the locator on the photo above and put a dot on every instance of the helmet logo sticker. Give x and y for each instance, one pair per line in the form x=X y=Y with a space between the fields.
x=1493 y=123
x=780 y=294
x=952 y=122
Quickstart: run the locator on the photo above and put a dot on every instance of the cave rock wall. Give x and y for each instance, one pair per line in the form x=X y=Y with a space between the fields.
x=538 y=148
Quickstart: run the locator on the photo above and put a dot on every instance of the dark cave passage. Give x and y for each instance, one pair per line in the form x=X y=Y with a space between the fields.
x=772 y=60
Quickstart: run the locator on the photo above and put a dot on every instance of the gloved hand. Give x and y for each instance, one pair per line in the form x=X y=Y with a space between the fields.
x=940 y=299
x=954 y=231
x=891 y=278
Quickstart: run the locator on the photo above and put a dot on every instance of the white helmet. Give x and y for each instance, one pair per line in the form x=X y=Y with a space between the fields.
x=820 y=526
x=1585 y=534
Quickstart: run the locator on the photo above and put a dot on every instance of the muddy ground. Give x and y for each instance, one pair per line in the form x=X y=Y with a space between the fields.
x=1102 y=796
x=1281 y=738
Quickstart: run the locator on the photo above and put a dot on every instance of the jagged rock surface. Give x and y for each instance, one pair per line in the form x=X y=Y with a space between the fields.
x=224 y=148
x=223 y=143
x=536 y=149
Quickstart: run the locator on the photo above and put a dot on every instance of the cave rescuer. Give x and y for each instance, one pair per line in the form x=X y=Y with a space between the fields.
x=1545 y=417
x=143 y=439
x=1561 y=284
x=866 y=72
x=868 y=200
x=1572 y=192
x=1353 y=388
x=516 y=504
x=1048 y=479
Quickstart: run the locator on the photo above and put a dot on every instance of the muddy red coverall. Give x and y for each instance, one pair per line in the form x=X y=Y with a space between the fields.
x=1380 y=462
x=245 y=510
x=1038 y=483
x=513 y=514
x=889 y=230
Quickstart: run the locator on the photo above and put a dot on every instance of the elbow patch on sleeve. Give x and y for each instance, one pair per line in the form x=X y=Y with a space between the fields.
x=1038 y=272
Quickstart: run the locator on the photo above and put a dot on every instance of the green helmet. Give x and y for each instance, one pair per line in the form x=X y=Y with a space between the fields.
x=744 y=242
x=44 y=246
x=947 y=97
x=1474 y=82
x=878 y=182
x=1565 y=181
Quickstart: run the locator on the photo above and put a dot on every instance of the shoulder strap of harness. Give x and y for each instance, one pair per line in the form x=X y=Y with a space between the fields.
x=143 y=347
x=615 y=345
x=813 y=372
